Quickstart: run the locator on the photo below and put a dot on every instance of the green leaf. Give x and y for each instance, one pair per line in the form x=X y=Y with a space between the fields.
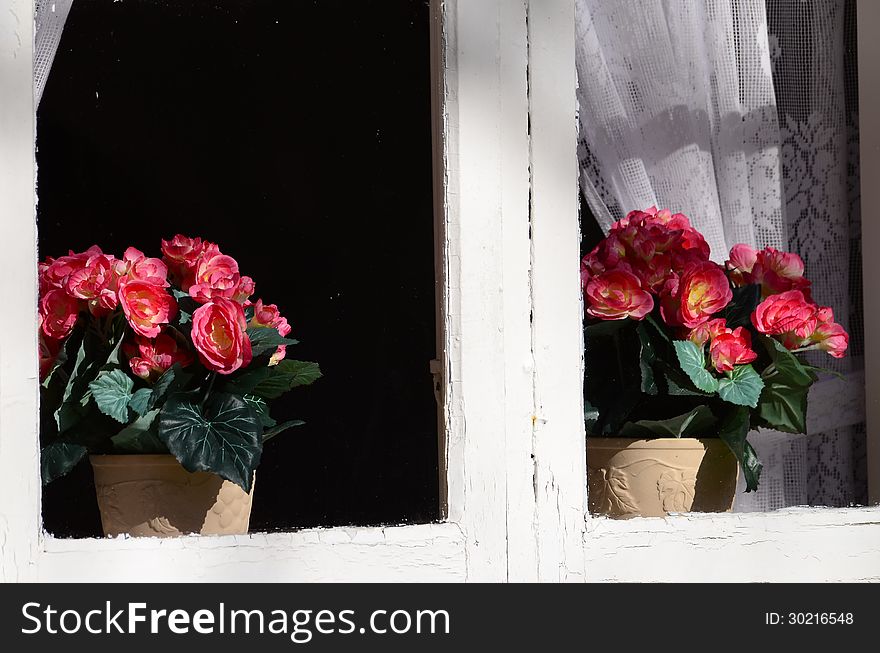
x=140 y=437
x=619 y=411
x=140 y=401
x=112 y=392
x=285 y=376
x=174 y=379
x=695 y=423
x=733 y=431
x=739 y=311
x=786 y=364
x=783 y=406
x=271 y=433
x=824 y=370
x=602 y=328
x=76 y=394
x=591 y=418
x=59 y=458
x=262 y=409
x=647 y=358
x=742 y=386
x=693 y=363
x=266 y=339
x=649 y=318
x=224 y=436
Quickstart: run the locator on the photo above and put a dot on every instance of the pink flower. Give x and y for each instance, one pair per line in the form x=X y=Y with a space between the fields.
x=181 y=255
x=135 y=265
x=775 y=271
x=731 y=348
x=703 y=333
x=218 y=333
x=95 y=282
x=58 y=314
x=150 y=358
x=216 y=275
x=267 y=315
x=831 y=337
x=245 y=289
x=616 y=295
x=146 y=306
x=787 y=312
x=54 y=273
x=702 y=291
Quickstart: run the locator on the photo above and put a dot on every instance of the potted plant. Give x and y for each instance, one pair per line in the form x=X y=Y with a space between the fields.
x=684 y=357
x=163 y=370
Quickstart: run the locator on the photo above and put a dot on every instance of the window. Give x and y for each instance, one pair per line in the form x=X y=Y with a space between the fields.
x=511 y=373
x=729 y=127
x=298 y=139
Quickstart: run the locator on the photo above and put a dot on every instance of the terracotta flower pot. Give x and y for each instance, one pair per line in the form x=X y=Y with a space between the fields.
x=153 y=495
x=652 y=478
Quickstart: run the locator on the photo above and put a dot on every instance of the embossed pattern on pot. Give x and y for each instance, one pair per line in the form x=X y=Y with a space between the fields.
x=653 y=478
x=154 y=496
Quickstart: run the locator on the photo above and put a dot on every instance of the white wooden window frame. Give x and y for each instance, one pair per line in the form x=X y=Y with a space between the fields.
x=513 y=447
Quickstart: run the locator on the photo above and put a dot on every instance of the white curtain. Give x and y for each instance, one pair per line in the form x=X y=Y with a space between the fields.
x=49 y=19
x=740 y=114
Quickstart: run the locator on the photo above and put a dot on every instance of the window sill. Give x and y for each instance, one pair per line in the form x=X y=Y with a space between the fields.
x=791 y=545
x=423 y=553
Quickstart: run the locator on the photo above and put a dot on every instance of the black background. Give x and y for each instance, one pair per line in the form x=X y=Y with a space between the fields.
x=297 y=136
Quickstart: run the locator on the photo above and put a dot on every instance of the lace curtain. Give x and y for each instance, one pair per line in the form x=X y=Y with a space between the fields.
x=743 y=115
x=49 y=19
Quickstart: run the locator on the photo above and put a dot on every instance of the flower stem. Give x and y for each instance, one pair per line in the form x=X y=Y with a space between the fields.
x=211 y=380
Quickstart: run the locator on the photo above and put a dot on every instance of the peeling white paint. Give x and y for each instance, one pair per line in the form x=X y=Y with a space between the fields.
x=513 y=368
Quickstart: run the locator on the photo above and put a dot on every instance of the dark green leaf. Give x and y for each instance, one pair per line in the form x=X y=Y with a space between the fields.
x=112 y=392
x=739 y=311
x=647 y=358
x=733 y=431
x=742 y=386
x=285 y=376
x=618 y=413
x=659 y=329
x=693 y=363
x=783 y=406
x=786 y=364
x=262 y=409
x=266 y=339
x=224 y=436
x=77 y=395
x=140 y=401
x=601 y=328
x=173 y=380
x=824 y=370
x=271 y=433
x=140 y=437
x=59 y=458
x=696 y=423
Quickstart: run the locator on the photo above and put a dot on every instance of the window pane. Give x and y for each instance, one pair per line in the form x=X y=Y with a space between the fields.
x=298 y=137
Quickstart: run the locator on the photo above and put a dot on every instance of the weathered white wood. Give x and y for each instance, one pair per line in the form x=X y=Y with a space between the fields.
x=487 y=259
x=427 y=553
x=516 y=495
x=19 y=469
x=795 y=545
x=868 y=12
x=558 y=435
x=517 y=329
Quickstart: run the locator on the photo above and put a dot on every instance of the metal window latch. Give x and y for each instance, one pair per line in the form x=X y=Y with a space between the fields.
x=436 y=368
